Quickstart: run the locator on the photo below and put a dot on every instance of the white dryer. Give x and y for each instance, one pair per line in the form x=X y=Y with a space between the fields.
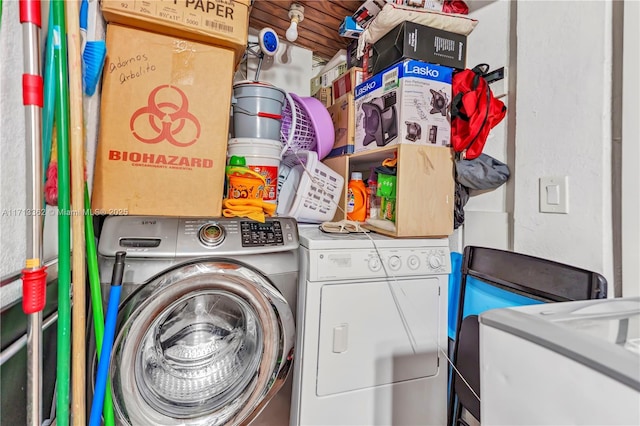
x=372 y=329
x=206 y=328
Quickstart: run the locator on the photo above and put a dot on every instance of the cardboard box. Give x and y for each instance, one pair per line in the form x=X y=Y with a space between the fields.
x=325 y=79
x=367 y=11
x=406 y=103
x=346 y=82
x=220 y=22
x=324 y=96
x=343 y=116
x=163 y=125
x=349 y=28
x=409 y=40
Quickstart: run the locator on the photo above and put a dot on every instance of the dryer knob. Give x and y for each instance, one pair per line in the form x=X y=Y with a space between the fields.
x=375 y=264
x=435 y=262
x=395 y=263
x=211 y=234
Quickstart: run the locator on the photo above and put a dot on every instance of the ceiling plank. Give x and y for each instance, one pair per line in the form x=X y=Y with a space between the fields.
x=318 y=31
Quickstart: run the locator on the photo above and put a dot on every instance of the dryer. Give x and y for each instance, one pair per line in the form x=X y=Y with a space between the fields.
x=206 y=327
x=372 y=330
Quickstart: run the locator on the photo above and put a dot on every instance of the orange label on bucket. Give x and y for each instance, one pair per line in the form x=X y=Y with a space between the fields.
x=245 y=186
x=270 y=175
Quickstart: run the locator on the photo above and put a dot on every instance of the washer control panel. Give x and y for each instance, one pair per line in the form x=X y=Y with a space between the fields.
x=261 y=234
x=170 y=237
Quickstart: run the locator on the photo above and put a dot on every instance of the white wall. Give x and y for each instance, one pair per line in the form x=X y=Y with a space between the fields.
x=290 y=69
x=631 y=152
x=486 y=215
x=564 y=129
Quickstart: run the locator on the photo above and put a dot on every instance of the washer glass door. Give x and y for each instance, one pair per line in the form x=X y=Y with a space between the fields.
x=201 y=344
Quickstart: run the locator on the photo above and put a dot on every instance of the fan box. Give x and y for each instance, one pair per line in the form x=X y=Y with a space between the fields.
x=406 y=103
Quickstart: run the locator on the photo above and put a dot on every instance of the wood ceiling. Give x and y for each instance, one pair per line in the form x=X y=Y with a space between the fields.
x=318 y=31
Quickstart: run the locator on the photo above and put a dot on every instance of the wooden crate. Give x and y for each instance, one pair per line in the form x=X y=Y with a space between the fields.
x=425 y=187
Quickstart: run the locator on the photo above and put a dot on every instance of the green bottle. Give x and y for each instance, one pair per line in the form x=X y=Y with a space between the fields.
x=235 y=162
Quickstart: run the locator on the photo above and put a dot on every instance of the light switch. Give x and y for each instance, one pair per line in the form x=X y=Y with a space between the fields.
x=554 y=194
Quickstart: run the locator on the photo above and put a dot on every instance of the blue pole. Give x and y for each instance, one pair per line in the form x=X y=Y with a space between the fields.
x=107 y=340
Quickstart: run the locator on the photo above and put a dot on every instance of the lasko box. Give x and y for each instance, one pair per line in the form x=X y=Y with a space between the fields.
x=163 y=125
x=408 y=103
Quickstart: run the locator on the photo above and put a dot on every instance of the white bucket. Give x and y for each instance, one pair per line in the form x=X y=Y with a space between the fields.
x=262 y=156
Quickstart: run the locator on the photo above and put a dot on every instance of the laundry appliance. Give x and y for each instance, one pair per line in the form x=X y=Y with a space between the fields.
x=372 y=330
x=561 y=363
x=206 y=328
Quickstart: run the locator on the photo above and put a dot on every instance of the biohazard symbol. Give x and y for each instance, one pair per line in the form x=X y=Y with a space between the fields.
x=166 y=119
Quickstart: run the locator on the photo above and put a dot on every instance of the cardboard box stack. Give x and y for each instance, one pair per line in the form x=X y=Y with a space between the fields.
x=162 y=140
x=324 y=80
x=400 y=112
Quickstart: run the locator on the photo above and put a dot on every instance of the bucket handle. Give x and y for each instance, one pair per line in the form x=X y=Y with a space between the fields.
x=292 y=127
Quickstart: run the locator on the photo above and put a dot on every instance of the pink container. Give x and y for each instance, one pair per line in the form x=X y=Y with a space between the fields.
x=314 y=129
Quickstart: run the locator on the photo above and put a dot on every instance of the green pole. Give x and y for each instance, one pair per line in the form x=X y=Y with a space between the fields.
x=96 y=300
x=64 y=221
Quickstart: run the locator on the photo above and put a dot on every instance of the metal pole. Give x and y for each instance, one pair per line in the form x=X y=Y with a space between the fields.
x=34 y=274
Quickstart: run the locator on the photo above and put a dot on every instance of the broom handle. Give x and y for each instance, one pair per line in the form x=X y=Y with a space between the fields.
x=76 y=126
x=34 y=274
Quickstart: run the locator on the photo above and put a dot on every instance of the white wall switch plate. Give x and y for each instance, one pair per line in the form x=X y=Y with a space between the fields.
x=554 y=194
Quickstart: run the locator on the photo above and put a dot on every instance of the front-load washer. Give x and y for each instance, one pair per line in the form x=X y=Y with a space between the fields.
x=206 y=326
x=371 y=330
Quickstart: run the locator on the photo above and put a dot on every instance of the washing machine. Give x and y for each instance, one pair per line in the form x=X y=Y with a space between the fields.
x=372 y=330
x=206 y=325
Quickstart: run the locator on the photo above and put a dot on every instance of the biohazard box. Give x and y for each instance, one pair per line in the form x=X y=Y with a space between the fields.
x=163 y=125
x=406 y=103
x=220 y=22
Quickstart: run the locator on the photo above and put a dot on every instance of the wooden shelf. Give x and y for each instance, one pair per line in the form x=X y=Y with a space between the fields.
x=424 y=192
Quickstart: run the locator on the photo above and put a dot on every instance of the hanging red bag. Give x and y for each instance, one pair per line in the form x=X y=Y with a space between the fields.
x=474 y=111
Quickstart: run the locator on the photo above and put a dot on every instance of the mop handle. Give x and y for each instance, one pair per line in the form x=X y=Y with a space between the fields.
x=107 y=340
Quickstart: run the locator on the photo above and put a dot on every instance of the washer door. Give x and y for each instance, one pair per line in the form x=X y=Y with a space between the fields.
x=206 y=343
